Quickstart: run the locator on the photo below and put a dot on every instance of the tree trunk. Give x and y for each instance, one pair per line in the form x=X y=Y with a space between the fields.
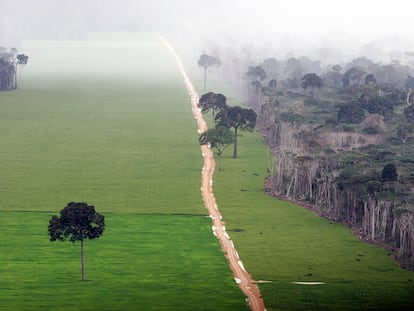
x=373 y=212
x=15 y=77
x=205 y=79
x=83 y=261
x=220 y=166
x=235 y=144
x=384 y=223
x=408 y=96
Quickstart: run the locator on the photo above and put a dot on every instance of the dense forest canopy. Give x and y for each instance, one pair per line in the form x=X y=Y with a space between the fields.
x=343 y=136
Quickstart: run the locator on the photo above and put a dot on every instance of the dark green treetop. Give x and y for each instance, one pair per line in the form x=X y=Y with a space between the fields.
x=237 y=118
x=77 y=222
x=212 y=101
x=219 y=138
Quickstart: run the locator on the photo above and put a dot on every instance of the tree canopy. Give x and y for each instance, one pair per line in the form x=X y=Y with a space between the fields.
x=205 y=62
x=77 y=221
x=353 y=76
x=409 y=82
x=409 y=113
x=378 y=104
x=237 y=118
x=219 y=138
x=370 y=79
x=212 y=101
x=389 y=173
x=256 y=73
x=351 y=113
x=22 y=59
x=270 y=89
x=312 y=81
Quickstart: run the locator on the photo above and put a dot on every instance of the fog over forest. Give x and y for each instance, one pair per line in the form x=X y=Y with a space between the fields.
x=379 y=29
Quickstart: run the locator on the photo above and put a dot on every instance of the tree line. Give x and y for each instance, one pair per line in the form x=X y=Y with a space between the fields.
x=229 y=122
x=10 y=60
x=344 y=139
x=343 y=134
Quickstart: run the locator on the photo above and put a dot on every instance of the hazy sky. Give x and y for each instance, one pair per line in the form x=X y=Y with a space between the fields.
x=361 y=18
x=346 y=21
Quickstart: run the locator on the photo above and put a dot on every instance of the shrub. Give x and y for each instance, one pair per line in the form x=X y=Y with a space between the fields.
x=389 y=173
x=379 y=105
x=351 y=113
x=409 y=113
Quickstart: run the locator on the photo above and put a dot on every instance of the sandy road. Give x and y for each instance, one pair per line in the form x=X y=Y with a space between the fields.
x=241 y=276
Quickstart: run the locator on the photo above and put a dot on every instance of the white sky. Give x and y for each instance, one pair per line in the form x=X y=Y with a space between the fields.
x=311 y=18
x=304 y=23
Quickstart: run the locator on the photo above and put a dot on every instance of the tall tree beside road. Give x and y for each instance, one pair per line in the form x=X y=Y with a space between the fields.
x=238 y=119
x=205 y=62
x=219 y=138
x=212 y=101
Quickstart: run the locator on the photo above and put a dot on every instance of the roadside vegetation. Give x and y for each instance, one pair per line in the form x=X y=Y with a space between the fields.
x=280 y=242
x=129 y=147
x=284 y=243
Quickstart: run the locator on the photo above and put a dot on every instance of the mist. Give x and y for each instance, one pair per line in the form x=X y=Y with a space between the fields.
x=268 y=28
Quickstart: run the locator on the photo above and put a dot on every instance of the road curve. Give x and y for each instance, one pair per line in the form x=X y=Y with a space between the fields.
x=241 y=276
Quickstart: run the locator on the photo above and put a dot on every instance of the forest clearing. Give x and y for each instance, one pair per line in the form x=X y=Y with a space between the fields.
x=122 y=136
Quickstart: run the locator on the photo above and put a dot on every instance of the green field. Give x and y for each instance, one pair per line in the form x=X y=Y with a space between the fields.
x=143 y=262
x=124 y=142
x=110 y=124
x=285 y=243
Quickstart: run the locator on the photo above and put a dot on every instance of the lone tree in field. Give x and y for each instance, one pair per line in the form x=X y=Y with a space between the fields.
x=219 y=138
x=205 y=62
x=77 y=221
x=21 y=61
x=212 y=101
x=237 y=118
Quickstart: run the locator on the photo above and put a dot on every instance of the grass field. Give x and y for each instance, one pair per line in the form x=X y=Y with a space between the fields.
x=143 y=262
x=108 y=145
x=285 y=243
x=125 y=143
x=110 y=124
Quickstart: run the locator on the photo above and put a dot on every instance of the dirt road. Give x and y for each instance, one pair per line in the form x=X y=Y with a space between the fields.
x=241 y=276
